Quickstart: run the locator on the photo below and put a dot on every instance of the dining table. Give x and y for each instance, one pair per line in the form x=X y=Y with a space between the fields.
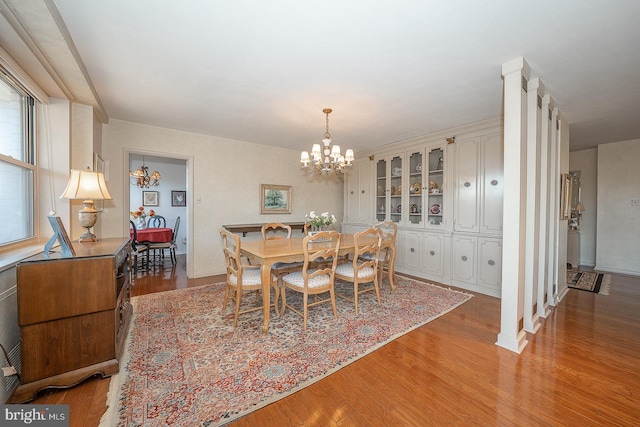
x=154 y=235
x=268 y=252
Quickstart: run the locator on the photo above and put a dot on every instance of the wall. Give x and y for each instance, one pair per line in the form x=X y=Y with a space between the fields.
x=223 y=185
x=586 y=161
x=618 y=232
x=174 y=177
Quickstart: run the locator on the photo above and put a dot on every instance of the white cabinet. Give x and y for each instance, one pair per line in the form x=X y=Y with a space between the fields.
x=412 y=245
x=477 y=263
x=464 y=259
x=478 y=185
x=433 y=246
x=490 y=265
x=389 y=185
x=358 y=193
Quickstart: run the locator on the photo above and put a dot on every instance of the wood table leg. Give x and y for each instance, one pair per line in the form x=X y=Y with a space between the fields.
x=265 y=275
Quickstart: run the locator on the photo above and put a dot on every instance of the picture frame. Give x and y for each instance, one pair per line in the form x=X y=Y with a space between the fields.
x=178 y=198
x=98 y=166
x=60 y=235
x=275 y=199
x=565 y=196
x=149 y=198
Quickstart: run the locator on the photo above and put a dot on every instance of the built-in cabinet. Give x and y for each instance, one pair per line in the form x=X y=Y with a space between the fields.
x=358 y=193
x=445 y=194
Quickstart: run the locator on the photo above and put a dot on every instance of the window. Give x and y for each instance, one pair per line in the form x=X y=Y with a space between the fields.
x=17 y=162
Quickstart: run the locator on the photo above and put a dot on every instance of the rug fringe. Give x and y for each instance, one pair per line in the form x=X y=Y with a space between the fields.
x=605 y=285
x=116 y=381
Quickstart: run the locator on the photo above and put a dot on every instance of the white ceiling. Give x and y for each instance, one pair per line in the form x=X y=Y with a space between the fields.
x=262 y=71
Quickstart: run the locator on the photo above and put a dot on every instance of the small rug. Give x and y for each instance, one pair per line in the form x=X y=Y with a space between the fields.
x=189 y=366
x=588 y=281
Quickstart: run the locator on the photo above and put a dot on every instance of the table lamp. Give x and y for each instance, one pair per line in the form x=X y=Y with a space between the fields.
x=88 y=186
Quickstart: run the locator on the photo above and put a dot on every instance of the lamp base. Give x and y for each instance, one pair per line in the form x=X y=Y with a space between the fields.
x=88 y=236
x=88 y=217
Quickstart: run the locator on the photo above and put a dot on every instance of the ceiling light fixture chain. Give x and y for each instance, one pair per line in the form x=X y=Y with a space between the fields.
x=329 y=159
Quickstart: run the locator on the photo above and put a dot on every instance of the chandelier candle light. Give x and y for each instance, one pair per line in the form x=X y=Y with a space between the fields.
x=330 y=159
x=142 y=179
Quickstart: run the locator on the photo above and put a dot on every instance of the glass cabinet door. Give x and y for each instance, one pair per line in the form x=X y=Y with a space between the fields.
x=415 y=187
x=395 y=189
x=381 y=190
x=435 y=187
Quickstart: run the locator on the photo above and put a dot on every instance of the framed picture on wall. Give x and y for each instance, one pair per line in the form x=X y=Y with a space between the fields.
x=275 y=199
x=149 y=198
x=178 y=198
x=565 y=196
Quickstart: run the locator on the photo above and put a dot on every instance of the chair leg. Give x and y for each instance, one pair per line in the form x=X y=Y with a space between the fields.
x=305 y=310
x=238 y=298
x=355 y=295
x=283 y=295
x=333 y=302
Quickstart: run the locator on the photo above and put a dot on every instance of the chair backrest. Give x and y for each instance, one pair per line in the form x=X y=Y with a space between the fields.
x=388 y=230
x=366 y=250
x=322 y=246
x=273 y=230
x=156 y=221
x=231 y=250
x=134 y=231
x=176 y=227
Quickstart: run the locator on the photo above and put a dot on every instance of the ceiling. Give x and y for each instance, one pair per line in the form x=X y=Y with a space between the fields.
x=263 y=71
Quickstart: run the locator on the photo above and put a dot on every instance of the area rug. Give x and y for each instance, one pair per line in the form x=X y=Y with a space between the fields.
x=591 y=281
x=188 y=366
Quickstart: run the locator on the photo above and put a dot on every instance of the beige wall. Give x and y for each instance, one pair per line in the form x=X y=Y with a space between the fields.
x=223 y=185
x=618 y=232
x=586 y=161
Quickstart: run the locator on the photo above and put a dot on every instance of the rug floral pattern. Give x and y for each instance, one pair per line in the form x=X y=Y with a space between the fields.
x=189 y=365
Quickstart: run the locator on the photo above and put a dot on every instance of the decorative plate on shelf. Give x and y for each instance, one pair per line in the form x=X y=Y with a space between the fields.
x=435 y=209
x=432 y=185
x=399 y=209
x=413 y=208
x=419 y=167
x=393 y=190
x=396 y=171
x=415 y=188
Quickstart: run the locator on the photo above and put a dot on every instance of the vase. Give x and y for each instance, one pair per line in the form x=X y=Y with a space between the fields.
x=317 y=229
x=142 y=224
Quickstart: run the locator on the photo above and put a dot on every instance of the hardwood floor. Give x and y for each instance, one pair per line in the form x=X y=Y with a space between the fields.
x=582 y=368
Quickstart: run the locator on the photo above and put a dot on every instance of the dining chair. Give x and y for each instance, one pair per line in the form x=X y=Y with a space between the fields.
x=170 y=246
x=137 y=248
x=389 y=232
x=275 y=231
x=241 y=277
x=156 y=221
x=362 y=270
x=312 y=279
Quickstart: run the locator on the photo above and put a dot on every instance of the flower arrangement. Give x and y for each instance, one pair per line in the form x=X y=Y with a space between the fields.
x=140 y=213
x=318 y=221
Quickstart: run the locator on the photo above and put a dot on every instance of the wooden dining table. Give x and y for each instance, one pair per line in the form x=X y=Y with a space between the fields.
x=268 y=252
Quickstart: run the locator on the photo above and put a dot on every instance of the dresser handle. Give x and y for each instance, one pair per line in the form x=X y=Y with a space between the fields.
x=463 y=257
x=491 y=262
x=467 y=184
x=432 y=253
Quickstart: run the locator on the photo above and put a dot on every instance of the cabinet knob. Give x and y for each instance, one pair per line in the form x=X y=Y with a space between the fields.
x=432 y=253
x=362 y=191
x=491 y=262
x=494 y=182
x=463 y=257
x=467 y=184
x=352 y=192
x=412 y=250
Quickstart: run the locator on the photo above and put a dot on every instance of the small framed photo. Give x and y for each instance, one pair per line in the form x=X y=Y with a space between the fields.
x=275 y=199
x=149 y=198
x=178 y=198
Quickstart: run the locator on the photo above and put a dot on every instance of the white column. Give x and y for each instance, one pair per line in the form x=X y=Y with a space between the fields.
x=512 y=336
x=545 y=211
x=563 y=162
x=554 y=206
x=535 y=90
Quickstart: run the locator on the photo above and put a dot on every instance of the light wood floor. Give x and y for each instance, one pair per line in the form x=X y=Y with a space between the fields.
x=582 y=368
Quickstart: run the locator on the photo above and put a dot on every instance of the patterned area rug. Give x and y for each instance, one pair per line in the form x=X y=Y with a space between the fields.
x=588 y=281
x=189 y=366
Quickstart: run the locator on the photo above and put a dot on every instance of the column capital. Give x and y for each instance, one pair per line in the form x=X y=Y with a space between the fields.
x=517 y=65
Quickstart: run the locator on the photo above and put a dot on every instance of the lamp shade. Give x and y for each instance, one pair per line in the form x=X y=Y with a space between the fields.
x=86 y=185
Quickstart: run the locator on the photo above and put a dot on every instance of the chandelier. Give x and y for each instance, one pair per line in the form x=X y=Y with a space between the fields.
x=330 y=159
x=142 y=179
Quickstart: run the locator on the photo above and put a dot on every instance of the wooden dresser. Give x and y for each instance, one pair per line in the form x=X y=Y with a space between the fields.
x=73 y=314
